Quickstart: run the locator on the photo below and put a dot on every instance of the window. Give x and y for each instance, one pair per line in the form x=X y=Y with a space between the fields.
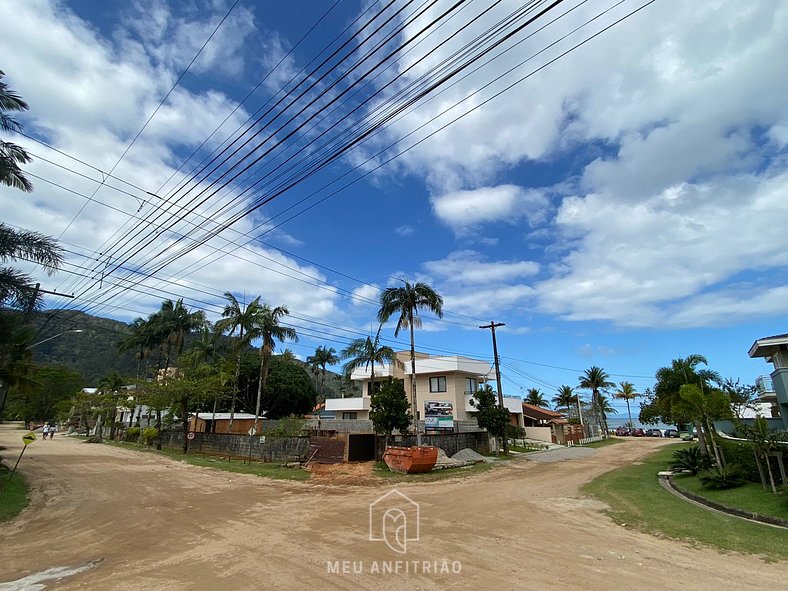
x=350 y=415
x=471 y=385
x=371 y=390
x=438 y=384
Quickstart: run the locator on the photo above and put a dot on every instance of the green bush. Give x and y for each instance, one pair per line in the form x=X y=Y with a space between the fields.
x=689 y=459
x=740 y=453
x=132 y=434
x=719 y=477
x=149 y=435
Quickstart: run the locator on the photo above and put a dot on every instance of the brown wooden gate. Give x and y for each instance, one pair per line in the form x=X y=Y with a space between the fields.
x=327 y=450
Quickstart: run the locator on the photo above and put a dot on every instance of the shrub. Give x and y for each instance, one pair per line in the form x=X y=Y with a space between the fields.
x=149 y=435
x=718 y=477
x=689 y=459
x=132 y=434
x=741 y=454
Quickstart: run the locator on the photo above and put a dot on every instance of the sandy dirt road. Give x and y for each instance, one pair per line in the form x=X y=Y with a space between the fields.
x=159 y=524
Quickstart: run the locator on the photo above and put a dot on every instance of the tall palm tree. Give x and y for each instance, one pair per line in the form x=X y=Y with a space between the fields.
x=11 y=155
x=323 y=356
x=626 y=392
x=407 y=301
x=183 y=321
x=595 y=379
x=366 y=353
x=16 y=288
x=564 y=398
x=267 y=327
x=535 y=397
x=236 y=316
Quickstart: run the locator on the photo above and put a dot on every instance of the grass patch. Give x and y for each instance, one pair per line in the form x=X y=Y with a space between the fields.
x=13 y=494
x=264 y=469
x=382 y=470
x=638 y=501
x=603 y=442
x=749 y=497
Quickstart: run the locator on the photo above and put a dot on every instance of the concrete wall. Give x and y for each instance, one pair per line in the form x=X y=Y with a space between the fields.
x=539 y=433
x=451 y=443
x=728 y=427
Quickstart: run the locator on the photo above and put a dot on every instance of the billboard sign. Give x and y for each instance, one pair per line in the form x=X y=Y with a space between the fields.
x=438 y=414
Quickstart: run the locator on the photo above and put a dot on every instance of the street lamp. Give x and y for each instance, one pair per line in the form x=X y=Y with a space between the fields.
x=56 y=336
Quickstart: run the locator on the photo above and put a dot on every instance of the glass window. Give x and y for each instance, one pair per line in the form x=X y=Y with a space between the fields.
x=438 y=384
x=471 y=385
x=350 y=415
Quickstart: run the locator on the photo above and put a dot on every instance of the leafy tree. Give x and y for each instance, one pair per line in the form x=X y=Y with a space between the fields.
x=15 y=359
x=236 y=316
x=489 y=415
x=627 y=392
x=535 y=397
x=665 y=405
x=596 y=380
x=764 y=441
x=53 y=388
x=17 y=289
x=389 y=408
x=704 y=406
x=111 y=385
x=742 y=396
x=406 y=302
x=266 y=326
x=289 y=390
x=11 y=155
x=366 y=353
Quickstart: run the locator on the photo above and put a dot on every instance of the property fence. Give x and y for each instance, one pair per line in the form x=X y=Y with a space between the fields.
x=265 y=448
x=451 y=443
x=585 y=440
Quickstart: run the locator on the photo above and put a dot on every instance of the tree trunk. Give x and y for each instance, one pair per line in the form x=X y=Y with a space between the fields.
x=413 y=379
x=260 y=383
x=704 y=451
x=629 y=413
x=771 y=475
x=760 y=469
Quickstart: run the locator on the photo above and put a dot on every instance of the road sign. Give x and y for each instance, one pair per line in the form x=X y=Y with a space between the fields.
x=28 y=438
x=190 y=435
x=251 y=431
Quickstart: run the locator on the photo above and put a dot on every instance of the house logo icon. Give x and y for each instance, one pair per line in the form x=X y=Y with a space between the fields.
x=394 y=519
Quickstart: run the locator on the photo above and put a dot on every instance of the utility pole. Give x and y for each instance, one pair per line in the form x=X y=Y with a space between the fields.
x=492 y=326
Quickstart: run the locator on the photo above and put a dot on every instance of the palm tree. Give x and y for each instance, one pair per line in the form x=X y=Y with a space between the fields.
x=235 y=316
x=266 y=326
x=535 y=397
x=323 y=356
x=406 y=301
x=11 y=155
x=111 y=384
x=564 y=398
x=182 y=322
x=366 y=353
x=682 y=371
x=595 y=379
x=627 y=392
x=16 y=288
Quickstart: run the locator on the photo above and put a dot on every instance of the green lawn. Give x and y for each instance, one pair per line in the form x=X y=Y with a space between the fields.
x=604 y=442
x=749 y=497
x=637 y=501
x=266 y=470
x=13 y=494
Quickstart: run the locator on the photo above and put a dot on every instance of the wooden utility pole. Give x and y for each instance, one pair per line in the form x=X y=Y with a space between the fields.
x=492 y=326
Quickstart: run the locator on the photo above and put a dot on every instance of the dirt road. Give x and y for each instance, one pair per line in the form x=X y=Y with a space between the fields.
x=153 y=524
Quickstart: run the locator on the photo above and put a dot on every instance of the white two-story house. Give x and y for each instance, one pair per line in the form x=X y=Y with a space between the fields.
x=445 y=386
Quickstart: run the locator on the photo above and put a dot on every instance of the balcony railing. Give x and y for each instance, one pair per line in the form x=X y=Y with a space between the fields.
x=764 y=385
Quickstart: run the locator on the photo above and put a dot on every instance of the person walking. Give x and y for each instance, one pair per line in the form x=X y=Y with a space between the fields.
x=45 y=430
x=52 y=430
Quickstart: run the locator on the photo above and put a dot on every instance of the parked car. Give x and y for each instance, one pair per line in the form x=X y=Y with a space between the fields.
x=622 y=432
x=638 y=432
x=653 y=433
x=672 y=433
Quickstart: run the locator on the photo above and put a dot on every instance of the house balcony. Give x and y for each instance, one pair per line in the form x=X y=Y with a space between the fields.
x=340 y=405
x=765 y=388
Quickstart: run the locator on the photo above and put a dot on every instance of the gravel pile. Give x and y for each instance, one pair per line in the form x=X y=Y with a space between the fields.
x=468 y=455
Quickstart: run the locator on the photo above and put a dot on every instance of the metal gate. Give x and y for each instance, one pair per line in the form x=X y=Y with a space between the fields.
x=360 y=447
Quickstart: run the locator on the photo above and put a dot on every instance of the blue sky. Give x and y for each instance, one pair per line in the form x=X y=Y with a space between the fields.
x=622 y=206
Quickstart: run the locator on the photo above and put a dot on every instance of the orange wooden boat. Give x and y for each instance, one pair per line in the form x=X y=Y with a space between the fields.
x=411 y=460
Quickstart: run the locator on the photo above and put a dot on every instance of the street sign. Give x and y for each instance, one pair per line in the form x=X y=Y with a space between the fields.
x=190 y=435
x=251 y=431
x=28 y=438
